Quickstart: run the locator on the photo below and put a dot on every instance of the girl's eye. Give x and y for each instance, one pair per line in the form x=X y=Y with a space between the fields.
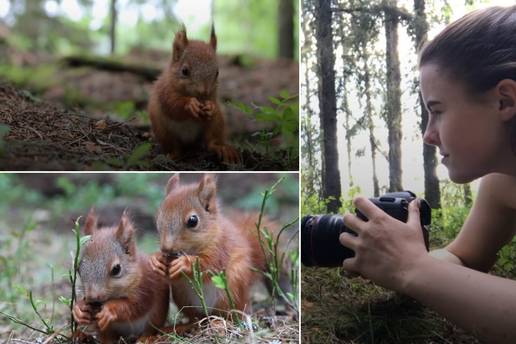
x=115 y=271
x=192 y=221
x=185 y=72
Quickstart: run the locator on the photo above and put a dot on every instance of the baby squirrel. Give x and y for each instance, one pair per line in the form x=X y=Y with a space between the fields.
x=123 y=296
x=183 y=106
x=191 y=226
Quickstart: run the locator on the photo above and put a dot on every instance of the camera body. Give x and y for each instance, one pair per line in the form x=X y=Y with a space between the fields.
x=320 y=245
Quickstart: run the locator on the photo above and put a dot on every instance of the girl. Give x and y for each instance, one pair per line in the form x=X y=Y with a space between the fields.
x=468 y=83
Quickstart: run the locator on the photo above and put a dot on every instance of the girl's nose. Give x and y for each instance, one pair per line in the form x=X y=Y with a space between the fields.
x=431 y=136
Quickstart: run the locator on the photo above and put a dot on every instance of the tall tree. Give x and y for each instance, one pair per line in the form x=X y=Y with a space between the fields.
x=286 y=29
x=432 y=191
x=328 y=107
x=309 y=131
x=112 y=26
x=393 y=102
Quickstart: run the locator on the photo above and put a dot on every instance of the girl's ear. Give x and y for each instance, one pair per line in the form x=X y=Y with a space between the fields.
x=179 y=45
x=207 y=193
x=91 y=222
x=506 y=93
x=172 y=183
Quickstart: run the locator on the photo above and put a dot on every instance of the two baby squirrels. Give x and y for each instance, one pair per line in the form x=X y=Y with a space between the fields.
x=183 y=106
x=123 y=296
x=191 y=227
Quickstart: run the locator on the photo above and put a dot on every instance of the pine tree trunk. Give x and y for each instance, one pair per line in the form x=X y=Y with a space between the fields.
x=328 y=107
x=393 y=98
x=286 y=29
x=432 y=191
x=112 y=27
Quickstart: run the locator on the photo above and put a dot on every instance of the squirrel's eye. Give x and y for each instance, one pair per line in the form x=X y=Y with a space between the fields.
x=192 y=221
x=217 y=75
x=115 y=271
x=185 y=71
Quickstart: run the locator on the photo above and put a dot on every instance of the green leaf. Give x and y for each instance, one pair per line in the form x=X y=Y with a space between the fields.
x=284 y=94
x=138 y=153
x=84 y=239
x=64 y=300
x=275 y=101
x=218 y=282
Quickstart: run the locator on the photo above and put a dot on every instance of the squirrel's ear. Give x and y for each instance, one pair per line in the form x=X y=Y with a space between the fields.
x=172 y=183
x=207 y=192
x=180 y=43
x=91 y=222
x=213 y=38
x=125 y=234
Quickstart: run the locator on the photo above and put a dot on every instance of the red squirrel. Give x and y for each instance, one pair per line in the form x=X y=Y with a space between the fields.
x=183 y=106
x=191 y=226
x=123 y=296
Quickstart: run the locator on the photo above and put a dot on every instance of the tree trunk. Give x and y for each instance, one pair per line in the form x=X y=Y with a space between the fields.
x=393 y=98
x=369 y=115
x=112 y=27
x=328 y=107
x=286 y=29
x=345 y=104
x=468 y=198
x=432 y=191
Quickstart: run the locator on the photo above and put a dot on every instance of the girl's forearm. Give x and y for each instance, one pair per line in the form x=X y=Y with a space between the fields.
x=481 y=303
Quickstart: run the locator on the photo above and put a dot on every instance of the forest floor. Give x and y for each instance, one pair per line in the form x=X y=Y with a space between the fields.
x=37 y=245
x=339 y=309
x=60 y=117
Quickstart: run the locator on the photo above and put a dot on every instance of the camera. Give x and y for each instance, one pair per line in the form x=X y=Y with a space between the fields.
x=320 y=245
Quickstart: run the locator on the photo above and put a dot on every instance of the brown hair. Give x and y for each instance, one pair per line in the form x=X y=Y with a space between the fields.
x=479 y=49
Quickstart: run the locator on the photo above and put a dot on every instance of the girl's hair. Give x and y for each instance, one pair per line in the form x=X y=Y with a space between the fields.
x=479 y=49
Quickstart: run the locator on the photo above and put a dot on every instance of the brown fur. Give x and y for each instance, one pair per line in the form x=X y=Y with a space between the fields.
x=184 y=111
x=218 y=243
x=139 y=292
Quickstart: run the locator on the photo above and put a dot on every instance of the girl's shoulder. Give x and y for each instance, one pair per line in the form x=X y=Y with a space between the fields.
x=499 y=189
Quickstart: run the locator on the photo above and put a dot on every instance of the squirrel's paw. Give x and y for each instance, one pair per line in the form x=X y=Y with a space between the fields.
x=228 y=154
x=208 y=109
x=180 y=265
x=82 y=313
x=195 y=107
x=158 y=264
x=105 y=317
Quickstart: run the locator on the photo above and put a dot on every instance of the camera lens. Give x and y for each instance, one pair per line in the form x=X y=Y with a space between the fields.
x=320 y=245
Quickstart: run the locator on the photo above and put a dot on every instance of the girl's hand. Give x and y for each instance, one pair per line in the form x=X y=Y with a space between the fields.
x=385 y=248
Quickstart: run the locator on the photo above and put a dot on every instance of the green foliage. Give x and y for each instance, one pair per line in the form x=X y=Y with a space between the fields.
x=275 y=261
x=220 y=281
x=447 y=221
x=36 y=78
x=283 y=116
x=197 y=284
x=135 y=159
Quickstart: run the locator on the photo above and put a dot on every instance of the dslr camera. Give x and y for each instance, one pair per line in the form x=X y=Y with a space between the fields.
x=320 y=245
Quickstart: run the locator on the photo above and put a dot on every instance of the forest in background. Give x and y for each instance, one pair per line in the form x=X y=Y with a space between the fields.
x=98 y=59
x=358 y=87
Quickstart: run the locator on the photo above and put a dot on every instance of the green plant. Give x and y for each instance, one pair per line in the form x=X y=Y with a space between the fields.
x=220 y=281
x=135 y=158
x=275 y=261
x=283 y=115
x=196 y=282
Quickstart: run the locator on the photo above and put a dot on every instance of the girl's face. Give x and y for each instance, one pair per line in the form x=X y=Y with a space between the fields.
x=471 y=137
